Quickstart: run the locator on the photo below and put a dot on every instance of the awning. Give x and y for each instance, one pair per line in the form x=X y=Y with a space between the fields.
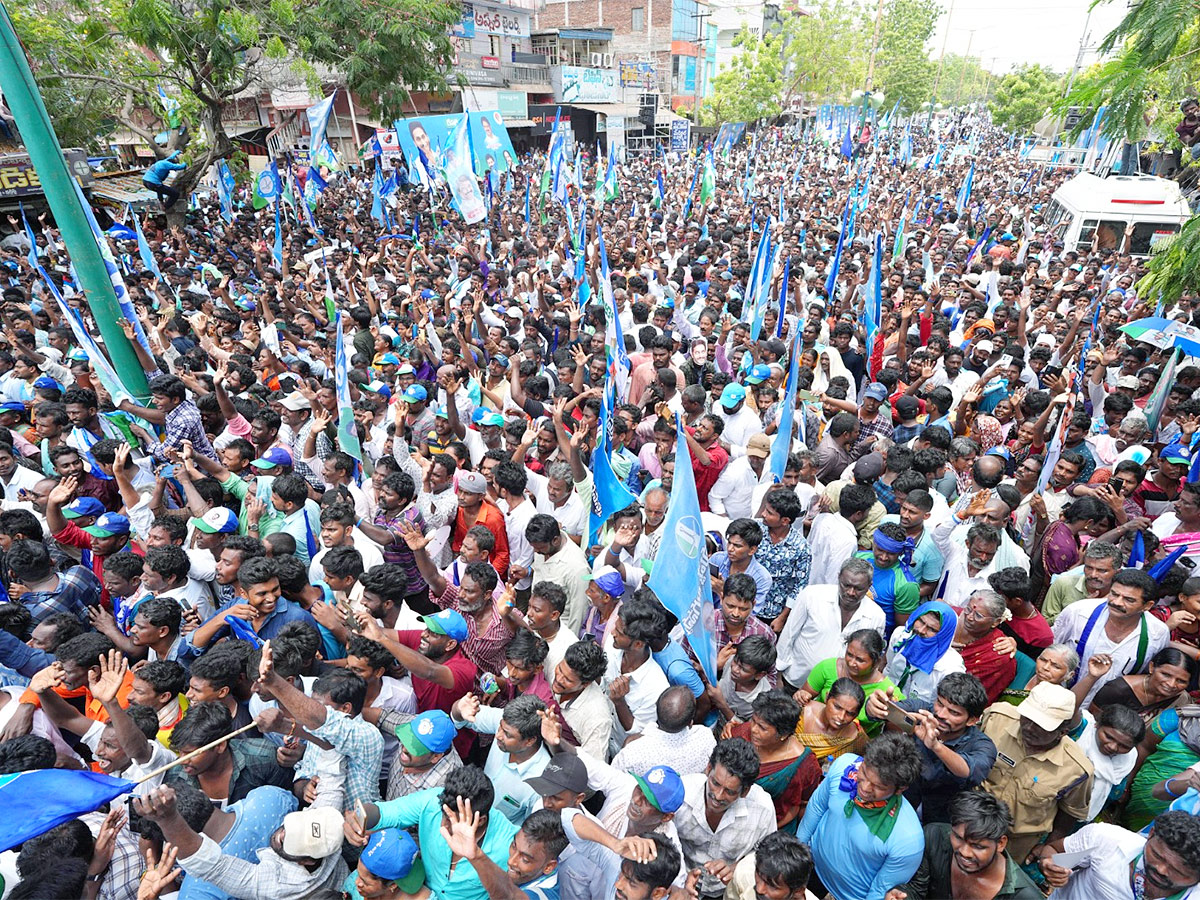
x=122 y=190
x=609 y=109
x=518 y=123
x=586 y=34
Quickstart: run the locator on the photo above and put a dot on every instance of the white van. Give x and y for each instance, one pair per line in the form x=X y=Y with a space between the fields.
x=1090 y=212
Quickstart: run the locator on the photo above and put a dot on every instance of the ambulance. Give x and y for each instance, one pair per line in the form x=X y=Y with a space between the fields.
x=1089 y=213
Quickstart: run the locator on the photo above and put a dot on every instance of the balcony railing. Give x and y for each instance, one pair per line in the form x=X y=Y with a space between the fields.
x=515 y=73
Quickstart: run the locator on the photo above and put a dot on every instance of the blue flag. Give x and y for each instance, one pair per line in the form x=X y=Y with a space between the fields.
x=783 y=295
x=243 y=631
x=1137 y=555
x=144 y=250
x=32 y=256
x=277 y=249
x=34 y=802
x=831 y=280
x=847 y=142
x=1161 y=568
x=609 y=493
x=964 y=193
x=781 y=446
x=680 y=577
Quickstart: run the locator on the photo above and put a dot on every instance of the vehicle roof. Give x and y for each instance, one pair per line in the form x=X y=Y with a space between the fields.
x=1150 y=196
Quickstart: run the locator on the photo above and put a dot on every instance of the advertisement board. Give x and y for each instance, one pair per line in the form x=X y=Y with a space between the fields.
x=585 y=85
x=680 y=133
x=490 y=144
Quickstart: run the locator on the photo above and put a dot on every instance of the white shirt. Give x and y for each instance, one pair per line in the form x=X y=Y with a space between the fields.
x=747 y=821
x=646 y=684
x=20 y=479
x=558 y=646
x=1069 y=627
x=814 y=633
x=572 y=515
x=688 y=750
x=370 y=552
x=732 y=495
x=159 y=757
x=833 y=539
x=740 y=426
x=1104 y=875
x=520 y=551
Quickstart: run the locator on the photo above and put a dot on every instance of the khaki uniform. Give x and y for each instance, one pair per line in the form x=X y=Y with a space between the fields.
x=1035 y=786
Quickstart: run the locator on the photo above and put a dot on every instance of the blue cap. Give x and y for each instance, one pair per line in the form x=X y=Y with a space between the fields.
x=732 y=395
x=47 y=383
x=12 y=406
x=430 y=732
x=218 y=520
x=392 y=854
x=276 y=456
x=378 y=387
x=78 y=355
x=108 y=525
x=447 y=622
x=876 y=391
x=758 y=374
x=83 y=506
x=491 y=418
x=608 y=580
x=415 y=393
x=501 y=359
x=663 y=788
x=427 y=294
x=389 y=359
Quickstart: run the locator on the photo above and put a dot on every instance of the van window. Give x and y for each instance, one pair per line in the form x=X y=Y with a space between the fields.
x=1055 y=213
x=1147 y=234
x=1105 y=234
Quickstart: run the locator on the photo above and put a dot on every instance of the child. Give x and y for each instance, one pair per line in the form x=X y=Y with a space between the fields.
x=1183 y=618
x=1110 y=742
x=744 y=679
x=523 y=673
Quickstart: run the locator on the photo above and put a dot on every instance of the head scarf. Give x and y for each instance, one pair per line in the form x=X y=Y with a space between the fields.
x=905 y=548
x=923 y=652
x=979 y=325
x=988 y=431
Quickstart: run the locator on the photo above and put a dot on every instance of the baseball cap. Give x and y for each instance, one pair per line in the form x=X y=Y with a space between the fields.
x=276 y=456
x=732 y=395
x=295 y=401
x=1048 y=705
x=83 y=506
x=12 y=406
x=377 y=387
x=564 y=772
x=906 y=406
x=108 y=525
x=389 y=359
x=500 y=359
x=406 y=369
x=471 y=482
x=78 y=355
x=217 y=520
x=415 y=393
x=392 y=854
x=986 y=346
x=47 y=383
x=758 y=374
x=759 y=445
x=315 y=832
x=492 y=418
x=1128 y=381
x=1173 y=453
x=876 y=391
x=513 y=312
x=430 y=732
x=663 y=788
x=608 y=580
x=448 y=622
x=870 y=466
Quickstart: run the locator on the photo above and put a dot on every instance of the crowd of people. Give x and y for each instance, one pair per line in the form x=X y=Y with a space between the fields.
x=411 y=666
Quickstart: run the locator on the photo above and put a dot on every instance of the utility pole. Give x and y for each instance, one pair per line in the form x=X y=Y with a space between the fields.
x=701 y=59
x=874 y=45
x=1083 y=39
x=963 y=70
x=937 y=79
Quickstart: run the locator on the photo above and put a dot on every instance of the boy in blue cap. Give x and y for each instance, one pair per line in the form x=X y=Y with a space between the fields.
x=390 y=868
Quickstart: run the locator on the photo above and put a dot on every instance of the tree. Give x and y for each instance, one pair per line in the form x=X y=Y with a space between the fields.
x=903 y=70
x=113 y=57
x=963 y=82
x=1023 y=96
x=748 y=88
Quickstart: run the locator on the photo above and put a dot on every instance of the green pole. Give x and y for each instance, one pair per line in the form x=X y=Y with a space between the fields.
x=25 y=103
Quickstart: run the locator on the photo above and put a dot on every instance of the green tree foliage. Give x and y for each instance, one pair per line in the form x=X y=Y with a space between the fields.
x=748 y=88
x=903 y=70
x=106 y=58
x=964 y=81
x=1023 y=96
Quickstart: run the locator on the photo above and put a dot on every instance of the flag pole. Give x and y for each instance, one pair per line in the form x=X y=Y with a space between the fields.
x=193 y=754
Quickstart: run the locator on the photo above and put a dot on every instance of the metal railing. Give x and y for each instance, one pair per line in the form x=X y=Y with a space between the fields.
x=525 y=74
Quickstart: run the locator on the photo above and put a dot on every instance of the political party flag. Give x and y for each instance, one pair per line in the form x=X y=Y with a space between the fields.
x=1193 y=475
x=170 y=107
x=609 y=493
x=612 y=189
x=277 y=248
x=347 y=428
x=225 y=185
x=783 y=296
x=528 y=179
x=781 y=446
x=314 y=187
x=831 y=279
x=99 y=362
x=898 y=245
x=964 y=192
x=619 y=366
x=708 y=184
x=266 y=186
x=144 y=250
x=1160 y=569
x=36 y=801
x=243 y=631
x=847 y=141
x=377 y=197
x=687 y=206
x=460 y=174
x=1158 y=398
x=660 y=192
x=318 y=120
x=32 y=256
x=1137 y=555
x=680 y=578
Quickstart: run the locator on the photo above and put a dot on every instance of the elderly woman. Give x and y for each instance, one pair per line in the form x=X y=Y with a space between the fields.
x=920 y=653
x=986 y=651
x=789 y=772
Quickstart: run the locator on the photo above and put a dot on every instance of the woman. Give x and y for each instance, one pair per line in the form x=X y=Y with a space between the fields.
x=920 y=655
x=862 y=663
x=988 y=432
x=987 y=653
x=1061 y=548
x=1181 y=526
x=1165 y=682
x=831 y=728
x=1183 y=618
x=789 y=771
x=1056 y=665
x=1172 y=744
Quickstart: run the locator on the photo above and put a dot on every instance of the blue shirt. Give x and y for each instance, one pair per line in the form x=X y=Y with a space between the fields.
x=424 y=810
x=677 y=666
x=283 y=613
x=258 y=816
x=927 y=563
x=850 y=861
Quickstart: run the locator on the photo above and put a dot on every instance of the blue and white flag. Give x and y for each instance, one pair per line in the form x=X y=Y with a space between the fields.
x=318 y=121
x=680 y=577
x=781 y=445
x=609 y=493
x=36 y=801
x=144 y=250
x=964 y=192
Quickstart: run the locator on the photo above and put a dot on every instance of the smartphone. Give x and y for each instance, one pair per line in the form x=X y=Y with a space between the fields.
x=168 y=471
x=360 y=813
x=1005 y=361
x=897 y=716
x=714 y=569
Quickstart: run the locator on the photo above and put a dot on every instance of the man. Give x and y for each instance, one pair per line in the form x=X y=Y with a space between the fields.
x=1119 y=627
x=556 y=496
x=955 y=755
x=1101 y=562
x=822 y=617
x=740 y=421
x=425 y=811
x=735 y=620
x=264 y=610
x=559 y=560
x=1043 y=776
x=966 y=858
x=709 y=458
x=426 y=754
x=474 y=509
x=927 y=561
x=45 y=592
x=732 y=494
x=837 y=448
x=893 y=586
x=778 y=869
x=1118 y=863
x=672 y=736
x=635 y=680
x=583 y=705
x=302 y=862
x=874 y=421
x=724 y=814
x=866 y=838
x=969 y=566
x=516 y=754
x=833 y=537
x=173 y=410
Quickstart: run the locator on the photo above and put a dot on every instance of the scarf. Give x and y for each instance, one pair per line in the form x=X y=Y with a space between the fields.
x=169 y=714
x=905 y=548
x=879 y=816
x=922 y=652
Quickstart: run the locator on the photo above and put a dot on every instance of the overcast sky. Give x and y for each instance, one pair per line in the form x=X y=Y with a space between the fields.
x=1024 y=31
